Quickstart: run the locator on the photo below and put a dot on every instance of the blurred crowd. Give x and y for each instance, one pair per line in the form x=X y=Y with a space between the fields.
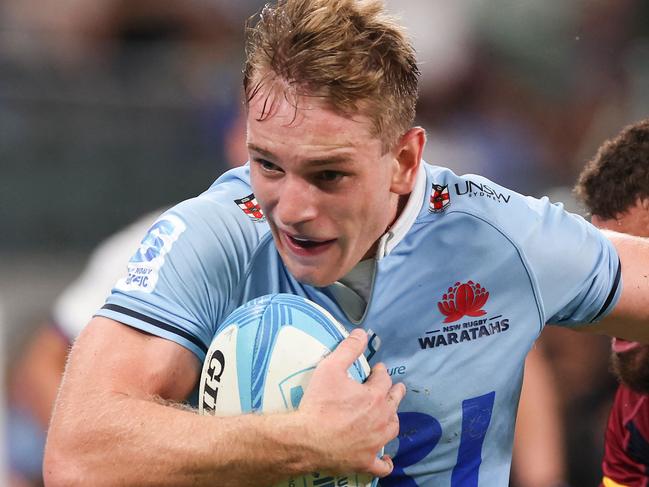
x=112 y=108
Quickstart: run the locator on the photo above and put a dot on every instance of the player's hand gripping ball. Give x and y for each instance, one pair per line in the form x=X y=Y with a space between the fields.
x=262 y=359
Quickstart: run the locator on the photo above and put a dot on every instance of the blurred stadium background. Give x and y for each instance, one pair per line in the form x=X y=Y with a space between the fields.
x=112 y=108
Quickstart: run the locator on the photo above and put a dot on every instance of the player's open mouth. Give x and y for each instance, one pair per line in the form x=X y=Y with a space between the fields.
x=305 y=246
x=618 y=345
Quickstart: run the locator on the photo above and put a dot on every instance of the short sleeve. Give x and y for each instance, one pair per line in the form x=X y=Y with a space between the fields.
x=575 y=267
x=186 y=272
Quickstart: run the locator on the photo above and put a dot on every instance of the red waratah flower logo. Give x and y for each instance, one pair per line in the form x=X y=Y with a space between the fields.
x=463 y=300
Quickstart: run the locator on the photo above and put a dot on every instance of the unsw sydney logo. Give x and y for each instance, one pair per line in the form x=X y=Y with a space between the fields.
x=463 y=300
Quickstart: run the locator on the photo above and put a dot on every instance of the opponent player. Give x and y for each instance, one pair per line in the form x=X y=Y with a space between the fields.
x=615 y=188
x=455 y=275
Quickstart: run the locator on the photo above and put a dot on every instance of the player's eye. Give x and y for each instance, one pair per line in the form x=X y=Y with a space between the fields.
x=330 y=176
x=267 y=166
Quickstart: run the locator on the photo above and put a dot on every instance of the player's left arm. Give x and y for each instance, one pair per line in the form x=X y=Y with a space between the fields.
x=629 y=319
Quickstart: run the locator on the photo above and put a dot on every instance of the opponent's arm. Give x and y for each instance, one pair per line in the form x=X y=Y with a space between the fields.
x=630 y=317
x=110 y=427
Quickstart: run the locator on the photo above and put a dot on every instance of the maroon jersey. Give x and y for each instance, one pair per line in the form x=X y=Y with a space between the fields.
x=626 y=456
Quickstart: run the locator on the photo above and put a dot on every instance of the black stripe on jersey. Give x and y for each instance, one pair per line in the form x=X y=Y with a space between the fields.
x=611 y=295
x=157 y=323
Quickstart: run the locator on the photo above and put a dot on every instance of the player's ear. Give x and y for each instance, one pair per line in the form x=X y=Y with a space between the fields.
x=407 y=154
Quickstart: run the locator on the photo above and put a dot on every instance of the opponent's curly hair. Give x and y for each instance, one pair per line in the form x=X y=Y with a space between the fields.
x=349 y=53
x=619 y=174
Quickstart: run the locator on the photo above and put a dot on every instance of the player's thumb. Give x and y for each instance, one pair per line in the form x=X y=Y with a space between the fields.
x=349 y=349
x=382 y=466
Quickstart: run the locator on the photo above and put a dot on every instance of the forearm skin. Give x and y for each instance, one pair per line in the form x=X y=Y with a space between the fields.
x=116 y=442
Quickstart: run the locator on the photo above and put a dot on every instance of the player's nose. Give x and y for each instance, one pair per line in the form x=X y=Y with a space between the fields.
x=296 y=202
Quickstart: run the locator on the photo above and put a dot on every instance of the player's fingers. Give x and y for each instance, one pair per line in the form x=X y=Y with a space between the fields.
x=349 y=349
x=379 y=378
x=396 y=394
x=382 y=467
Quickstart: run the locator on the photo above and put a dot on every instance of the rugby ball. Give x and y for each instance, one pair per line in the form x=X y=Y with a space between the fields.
x=262 y=359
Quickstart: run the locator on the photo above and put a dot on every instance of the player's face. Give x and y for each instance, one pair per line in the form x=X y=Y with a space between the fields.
x=630 y=360
x=325 y=186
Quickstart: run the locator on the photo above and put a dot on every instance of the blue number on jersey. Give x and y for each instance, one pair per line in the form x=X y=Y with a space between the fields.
x=419 y=434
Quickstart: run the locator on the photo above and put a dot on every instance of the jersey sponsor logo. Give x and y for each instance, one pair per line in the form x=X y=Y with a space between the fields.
x=460 y=300
x=464 y=332
x=463 y=299
x=251 y=207
x=473 y=190
x=440 y=199
x=397 y=370
x=143 y=268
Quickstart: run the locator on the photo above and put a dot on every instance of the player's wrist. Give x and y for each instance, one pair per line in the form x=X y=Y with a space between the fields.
x=293 y=442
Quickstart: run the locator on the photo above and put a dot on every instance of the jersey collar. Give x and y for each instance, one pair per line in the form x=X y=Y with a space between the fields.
x=407 y=218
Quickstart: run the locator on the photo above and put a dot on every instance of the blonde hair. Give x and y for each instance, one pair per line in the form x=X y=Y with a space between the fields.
x=350 y=53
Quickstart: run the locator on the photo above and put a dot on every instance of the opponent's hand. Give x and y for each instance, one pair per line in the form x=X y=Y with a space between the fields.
x=350 y=422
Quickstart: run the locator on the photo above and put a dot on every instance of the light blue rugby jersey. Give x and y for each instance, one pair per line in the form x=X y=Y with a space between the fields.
x=463 y=285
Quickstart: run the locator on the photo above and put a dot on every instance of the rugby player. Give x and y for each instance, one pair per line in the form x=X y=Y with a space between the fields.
x=453 y=276
x=41 y=366
x=615 y=188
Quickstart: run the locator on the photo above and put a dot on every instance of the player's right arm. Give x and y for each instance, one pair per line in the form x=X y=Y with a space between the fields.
x=113 y=423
